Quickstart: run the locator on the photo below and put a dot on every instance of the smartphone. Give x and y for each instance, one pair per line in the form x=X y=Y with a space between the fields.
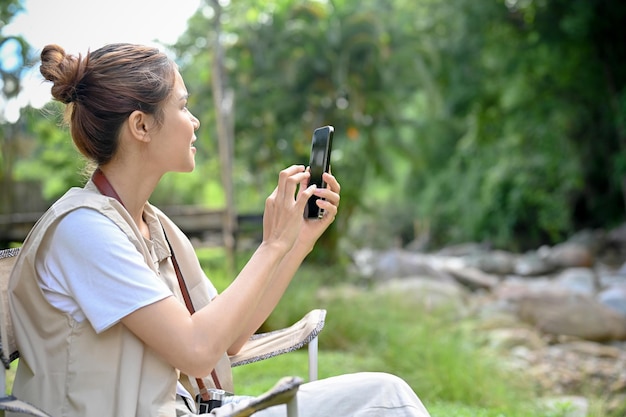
x=321 y=146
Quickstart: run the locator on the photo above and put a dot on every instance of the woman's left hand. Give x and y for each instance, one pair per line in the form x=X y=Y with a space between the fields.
x=328 y=201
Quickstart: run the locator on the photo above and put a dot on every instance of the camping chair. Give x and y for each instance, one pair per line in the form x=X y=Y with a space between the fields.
x=259 y=347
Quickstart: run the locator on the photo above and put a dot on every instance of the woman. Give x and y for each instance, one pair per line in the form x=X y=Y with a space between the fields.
x=98 y=294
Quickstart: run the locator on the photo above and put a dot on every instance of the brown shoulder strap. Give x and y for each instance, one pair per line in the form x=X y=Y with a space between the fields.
x=189 y=304
x=104 y=186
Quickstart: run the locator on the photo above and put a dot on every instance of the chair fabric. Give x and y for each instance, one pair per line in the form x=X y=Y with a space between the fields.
x=267 y=345
x=9 y=352
x=10 y=403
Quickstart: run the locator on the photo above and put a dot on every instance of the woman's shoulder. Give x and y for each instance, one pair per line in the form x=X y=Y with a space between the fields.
x=81 y=197
x=87 y=226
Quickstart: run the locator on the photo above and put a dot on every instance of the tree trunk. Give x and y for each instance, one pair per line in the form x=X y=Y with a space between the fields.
x=223 y=99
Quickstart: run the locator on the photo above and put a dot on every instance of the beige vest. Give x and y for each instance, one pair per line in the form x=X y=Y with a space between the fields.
x=67 y=369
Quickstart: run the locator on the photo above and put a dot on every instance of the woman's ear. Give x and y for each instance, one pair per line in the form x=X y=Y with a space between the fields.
x=138 y=125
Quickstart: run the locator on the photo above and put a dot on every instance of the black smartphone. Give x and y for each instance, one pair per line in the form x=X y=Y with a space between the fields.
x=321 y=146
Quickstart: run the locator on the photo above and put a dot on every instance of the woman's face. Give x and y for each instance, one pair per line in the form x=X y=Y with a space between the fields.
x=173 y=140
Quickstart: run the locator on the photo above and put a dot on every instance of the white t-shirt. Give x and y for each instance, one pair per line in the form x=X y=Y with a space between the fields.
x=92 y=271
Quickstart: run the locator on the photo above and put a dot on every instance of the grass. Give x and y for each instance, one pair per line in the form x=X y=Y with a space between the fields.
x=442 y=359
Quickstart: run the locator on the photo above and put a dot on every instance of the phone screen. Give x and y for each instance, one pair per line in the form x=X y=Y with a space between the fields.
x=321 y=145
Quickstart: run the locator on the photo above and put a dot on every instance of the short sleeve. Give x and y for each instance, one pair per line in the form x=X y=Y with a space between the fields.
x=92 y=271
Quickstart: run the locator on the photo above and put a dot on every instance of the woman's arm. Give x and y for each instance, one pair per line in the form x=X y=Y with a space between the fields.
x=310 y=232
x=194 y=343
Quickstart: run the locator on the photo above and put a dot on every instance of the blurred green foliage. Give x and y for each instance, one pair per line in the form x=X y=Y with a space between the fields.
x=499 y=121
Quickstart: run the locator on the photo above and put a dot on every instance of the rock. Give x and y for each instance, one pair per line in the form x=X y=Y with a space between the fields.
x=595 y=350
x=576 y=368
x=396 y=263
x=508 y=338
x=615 y=298
x=514 y=289
x=579 y=280
x=364 y=261
x=496 y=262
x=572 y=314
x=532 y=264
x=569 y=255
x=494 y=317
x=430 y=293
x=473 y=278
x=609 y=278
x=617 y=236
x=592 y=239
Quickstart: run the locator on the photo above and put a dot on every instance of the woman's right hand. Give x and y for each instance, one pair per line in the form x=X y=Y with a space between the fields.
x=209 y=332
x=283 y=216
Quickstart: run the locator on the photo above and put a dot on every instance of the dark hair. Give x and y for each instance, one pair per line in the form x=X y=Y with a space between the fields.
x=102 y=89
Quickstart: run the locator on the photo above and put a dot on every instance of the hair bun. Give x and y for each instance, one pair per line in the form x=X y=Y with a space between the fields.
x=64 y=70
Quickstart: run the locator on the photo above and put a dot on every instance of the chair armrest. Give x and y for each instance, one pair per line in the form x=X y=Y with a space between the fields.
x=10 y=403
x=284 y=392
x=8 y=352
x=267 y=345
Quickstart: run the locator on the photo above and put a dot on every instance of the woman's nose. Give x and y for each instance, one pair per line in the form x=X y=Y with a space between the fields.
x=196 y=122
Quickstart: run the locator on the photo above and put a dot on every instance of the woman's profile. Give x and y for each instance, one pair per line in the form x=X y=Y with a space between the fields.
x=113 y=315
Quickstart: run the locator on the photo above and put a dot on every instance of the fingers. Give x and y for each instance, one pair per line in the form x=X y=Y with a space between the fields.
x=282 y=219
x=332 y=182
x=332 y=191
x=329 y=196
x=288 y=181
x=296 y=177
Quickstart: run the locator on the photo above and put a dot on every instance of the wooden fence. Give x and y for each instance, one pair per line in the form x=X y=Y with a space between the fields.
x=198 y=223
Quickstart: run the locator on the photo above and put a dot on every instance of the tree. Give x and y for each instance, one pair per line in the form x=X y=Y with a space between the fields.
x=295 y=66
x=528 y=148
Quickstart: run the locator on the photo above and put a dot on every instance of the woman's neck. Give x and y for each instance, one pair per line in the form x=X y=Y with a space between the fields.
x=133 y=188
